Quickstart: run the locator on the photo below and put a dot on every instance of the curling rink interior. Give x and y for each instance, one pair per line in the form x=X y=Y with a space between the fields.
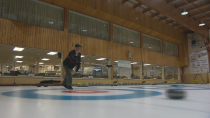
x=142 y=101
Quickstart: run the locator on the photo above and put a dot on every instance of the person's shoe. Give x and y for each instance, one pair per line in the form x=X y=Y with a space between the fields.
x=70 y=88
x=65 y=86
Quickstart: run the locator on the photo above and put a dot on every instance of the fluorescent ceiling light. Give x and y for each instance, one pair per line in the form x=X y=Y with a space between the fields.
x=115 y=61
x=51 y=22
x=52 y=53
x=146 y=64
x=84 y=30
x=18 y=49
x=101 y=59
x=134 y=63
x=82 y=56
x=131 y=42
x=45 y=59
x=201 y=23
x=184 y=13
x=19 y=61
x=41 y=63
x=18 y=56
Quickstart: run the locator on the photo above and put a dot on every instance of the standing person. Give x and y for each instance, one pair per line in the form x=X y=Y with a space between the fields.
x=73 y=59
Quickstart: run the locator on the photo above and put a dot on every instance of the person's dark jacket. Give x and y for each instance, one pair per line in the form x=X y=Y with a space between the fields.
x=72 y=60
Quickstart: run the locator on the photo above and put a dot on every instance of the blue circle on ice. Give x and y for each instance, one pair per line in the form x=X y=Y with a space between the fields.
x=182 y=87
x=32 y=95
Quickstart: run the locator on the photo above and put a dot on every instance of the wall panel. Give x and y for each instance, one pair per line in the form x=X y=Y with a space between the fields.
x=21 y=34
x=121 y=14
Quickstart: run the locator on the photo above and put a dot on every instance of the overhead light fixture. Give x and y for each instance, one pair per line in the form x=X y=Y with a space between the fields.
x=52 y=53
x=41 y=63
x=184 y=12
x=149 y=47
x=146 y=64
x=131 y=42
x=18 y=56
x=201 y=23
x=84 y=30
x=18 y=49
x=19 y=61
x=45 y=59
x=134 y=63
x=82 y=56
x=51 y=22
x=101 y=59
x=115 y=61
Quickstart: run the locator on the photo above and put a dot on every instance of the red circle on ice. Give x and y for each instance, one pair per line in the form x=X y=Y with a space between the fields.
x=85 y=91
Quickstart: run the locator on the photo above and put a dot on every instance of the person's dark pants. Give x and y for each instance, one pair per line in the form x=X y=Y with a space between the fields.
x=68 y=77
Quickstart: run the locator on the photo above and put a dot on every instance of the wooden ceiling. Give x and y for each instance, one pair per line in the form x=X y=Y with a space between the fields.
x=170 y=12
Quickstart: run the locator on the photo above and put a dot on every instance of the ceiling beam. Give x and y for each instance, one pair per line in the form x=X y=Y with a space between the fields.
x=208 y=23
x=168 y=22
x=202 y=17
x=169 y=1
x=176 y=25
x=184 y=3
x=123 y=1
x=156 y=14
x=163 y=18
x=189 y=32
x=146 y=10
x=169 y=11
x=198 y=6
x=137 y=5
x=199 y=12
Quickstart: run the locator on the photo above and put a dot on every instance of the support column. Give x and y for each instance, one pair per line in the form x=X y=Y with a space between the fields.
x=162 y=46
x=142 y=51
x=163 y=73
x=110 y=70
x=208 y=79
x=66 y=17
x=179 y=73
x=111 y=61
x=0 y=69
x=37 y=66
x=143 y=71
